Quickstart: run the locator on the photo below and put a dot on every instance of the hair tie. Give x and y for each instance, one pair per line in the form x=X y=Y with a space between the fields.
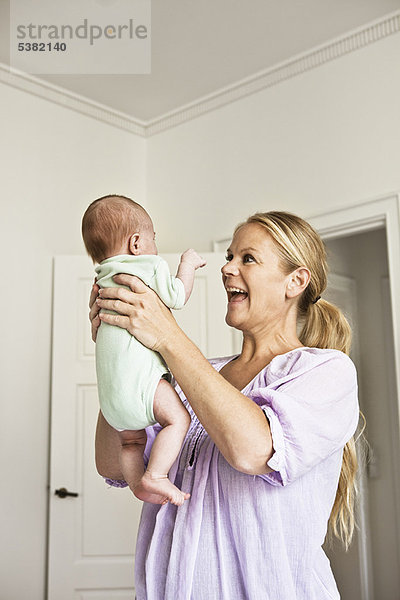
x=316 y=299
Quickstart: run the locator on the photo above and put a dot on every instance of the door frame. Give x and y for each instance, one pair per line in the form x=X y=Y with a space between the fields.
x=380 y=212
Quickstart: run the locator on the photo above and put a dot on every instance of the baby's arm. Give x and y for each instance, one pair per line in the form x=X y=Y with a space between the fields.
x=190 y=261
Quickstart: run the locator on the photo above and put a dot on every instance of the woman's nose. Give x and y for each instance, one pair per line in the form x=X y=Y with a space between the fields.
x=230 y=268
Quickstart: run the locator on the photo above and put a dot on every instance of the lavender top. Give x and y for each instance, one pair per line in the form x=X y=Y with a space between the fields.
x=248 y=537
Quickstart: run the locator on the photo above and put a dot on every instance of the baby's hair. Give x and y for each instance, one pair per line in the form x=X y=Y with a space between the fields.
x=108 y=222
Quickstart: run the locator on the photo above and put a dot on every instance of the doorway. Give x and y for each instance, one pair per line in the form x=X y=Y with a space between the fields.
x=363 y=258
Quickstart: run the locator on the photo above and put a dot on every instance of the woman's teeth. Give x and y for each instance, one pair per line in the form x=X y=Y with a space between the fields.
x=235 y=293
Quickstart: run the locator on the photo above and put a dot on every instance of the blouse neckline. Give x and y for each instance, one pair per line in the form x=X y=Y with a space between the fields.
x=224 y=361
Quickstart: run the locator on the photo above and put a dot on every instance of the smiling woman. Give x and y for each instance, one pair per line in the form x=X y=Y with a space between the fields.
x=271 y=429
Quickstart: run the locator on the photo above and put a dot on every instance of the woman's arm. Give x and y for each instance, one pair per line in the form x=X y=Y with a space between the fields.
x=235 y=423
x=107 y=450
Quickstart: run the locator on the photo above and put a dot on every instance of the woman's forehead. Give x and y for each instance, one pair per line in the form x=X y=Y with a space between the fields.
x=252 y=235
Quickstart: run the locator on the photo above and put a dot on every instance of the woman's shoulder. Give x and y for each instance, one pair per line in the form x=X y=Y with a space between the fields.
x=318 y=363
x=307 y=357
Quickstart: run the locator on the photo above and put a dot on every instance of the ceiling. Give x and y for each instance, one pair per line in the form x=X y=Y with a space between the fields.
x=201 y=46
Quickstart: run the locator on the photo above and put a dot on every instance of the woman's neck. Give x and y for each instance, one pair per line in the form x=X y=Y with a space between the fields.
x=255 y=356
x=263 y=355
x=262 y=347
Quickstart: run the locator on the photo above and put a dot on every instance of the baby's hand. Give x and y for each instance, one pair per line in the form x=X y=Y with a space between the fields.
x=193 y=259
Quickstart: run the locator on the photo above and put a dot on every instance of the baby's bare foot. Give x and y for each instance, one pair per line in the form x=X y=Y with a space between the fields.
x=145 y=496
x=159 y=490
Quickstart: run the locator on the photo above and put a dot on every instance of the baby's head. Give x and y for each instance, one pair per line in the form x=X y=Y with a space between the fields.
x=115 y=225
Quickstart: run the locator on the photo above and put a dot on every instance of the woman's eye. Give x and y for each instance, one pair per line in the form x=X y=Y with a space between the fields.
x=248 y=258
x=228 y=257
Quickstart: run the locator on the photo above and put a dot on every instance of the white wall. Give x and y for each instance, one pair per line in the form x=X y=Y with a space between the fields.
x=53 y=163
x=327 y=138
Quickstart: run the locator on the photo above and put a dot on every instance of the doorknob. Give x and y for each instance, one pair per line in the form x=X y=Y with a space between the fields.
x=63 y=493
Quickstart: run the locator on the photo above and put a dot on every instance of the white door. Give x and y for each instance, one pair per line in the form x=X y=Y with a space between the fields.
x=92 y=535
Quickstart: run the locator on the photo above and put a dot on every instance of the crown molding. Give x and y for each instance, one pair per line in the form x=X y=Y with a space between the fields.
x=61 y=96
x=317 y=56
x=301 y=63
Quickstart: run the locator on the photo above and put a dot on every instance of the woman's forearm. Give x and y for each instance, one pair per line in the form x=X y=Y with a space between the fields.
x=235 y=423
x=107 y=450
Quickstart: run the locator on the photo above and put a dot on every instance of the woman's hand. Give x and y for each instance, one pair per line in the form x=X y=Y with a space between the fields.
x=94 y=310
x=140 y=311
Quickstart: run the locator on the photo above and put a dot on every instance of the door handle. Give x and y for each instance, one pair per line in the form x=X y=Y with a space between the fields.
x=63 y=493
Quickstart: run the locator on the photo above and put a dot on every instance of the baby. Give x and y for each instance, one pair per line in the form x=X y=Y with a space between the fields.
x=132 y=380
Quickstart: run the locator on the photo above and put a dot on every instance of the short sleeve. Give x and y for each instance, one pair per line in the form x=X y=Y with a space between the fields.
x=170 y=289
x=313 y=412
x=118 y=483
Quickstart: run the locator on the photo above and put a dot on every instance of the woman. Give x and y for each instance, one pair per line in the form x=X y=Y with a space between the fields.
x=271 y=429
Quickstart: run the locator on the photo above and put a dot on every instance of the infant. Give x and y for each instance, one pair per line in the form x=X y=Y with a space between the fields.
x=133 y=381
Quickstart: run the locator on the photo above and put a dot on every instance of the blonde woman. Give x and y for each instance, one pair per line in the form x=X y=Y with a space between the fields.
x=269 y=457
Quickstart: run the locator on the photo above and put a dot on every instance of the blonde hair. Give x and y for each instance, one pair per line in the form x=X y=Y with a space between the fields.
x=323 y=326
x=108 y=222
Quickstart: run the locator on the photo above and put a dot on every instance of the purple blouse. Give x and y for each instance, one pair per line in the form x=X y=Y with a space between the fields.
x=245 y=537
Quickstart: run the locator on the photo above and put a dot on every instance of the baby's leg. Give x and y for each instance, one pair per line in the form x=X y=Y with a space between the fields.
x=133 y=444
x=175 y=420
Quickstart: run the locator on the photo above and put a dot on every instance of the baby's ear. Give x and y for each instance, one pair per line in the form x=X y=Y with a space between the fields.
x=134 y=244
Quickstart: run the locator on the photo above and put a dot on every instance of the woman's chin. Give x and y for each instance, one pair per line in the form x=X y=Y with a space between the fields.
x=228 y=320
x=231 y=321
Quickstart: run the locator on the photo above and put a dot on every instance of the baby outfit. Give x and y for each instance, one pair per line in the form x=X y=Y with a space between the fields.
x=127 y=372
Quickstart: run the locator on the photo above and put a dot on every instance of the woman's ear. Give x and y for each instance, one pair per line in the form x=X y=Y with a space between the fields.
x=298 y=281
x=134 y=246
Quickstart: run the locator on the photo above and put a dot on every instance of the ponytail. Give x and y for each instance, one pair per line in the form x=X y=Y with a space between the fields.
x=326 y=326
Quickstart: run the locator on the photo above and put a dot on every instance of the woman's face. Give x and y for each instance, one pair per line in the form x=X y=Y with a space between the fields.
x=253 y=279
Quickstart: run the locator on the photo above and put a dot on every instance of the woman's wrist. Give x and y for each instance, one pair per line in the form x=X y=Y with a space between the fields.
x=171 y=341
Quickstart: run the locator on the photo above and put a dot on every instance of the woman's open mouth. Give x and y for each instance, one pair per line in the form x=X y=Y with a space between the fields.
x=236 y=294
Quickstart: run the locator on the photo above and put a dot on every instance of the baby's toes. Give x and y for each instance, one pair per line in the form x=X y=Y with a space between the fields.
x=181 y=498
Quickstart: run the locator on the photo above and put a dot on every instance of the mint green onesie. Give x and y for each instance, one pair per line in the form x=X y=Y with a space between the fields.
x=128 y=372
